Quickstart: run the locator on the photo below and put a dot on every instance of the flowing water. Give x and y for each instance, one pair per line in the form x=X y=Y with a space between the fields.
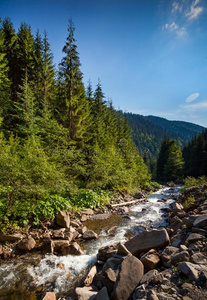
x=29 y=276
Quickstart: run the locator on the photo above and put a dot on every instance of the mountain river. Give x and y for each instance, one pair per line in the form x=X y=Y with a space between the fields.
x=26 y=277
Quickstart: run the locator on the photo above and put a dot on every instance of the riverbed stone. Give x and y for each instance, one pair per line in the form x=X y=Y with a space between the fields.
x=166 y=255
x=150 y=260
x=151 y=277
x=199 y=258
x=73 y=249
x=89 y=235
x=27 y=244
x=102 y=294
x=194 y=237
x=63 y=219
x=146 y=240
x=180 y=257
x=176 y=207
x=176 y=223
x=49 y=296
x=10 y=237
x=152 y=295
x=86 y=293
x=189 y=270
x=58 y=245
x=131 y=272
x=201 y=221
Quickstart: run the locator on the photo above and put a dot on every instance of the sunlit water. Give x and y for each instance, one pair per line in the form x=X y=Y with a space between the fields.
x=26 y=278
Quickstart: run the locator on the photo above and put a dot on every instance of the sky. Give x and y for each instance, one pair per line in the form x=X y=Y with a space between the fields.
x=150 y=55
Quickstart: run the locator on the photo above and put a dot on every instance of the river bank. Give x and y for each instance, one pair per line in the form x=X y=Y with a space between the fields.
x=60 y=274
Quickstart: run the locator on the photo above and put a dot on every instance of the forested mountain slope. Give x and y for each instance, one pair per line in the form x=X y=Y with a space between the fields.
x=148 y=132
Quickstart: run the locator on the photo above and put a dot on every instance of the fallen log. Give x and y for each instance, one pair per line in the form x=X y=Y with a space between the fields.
x=90 y=276
x=127 y=203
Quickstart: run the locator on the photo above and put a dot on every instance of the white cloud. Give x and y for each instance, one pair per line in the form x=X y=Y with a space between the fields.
x=194 y=11
x=201 y=106
x=176 y=7
x=173 y=27
x=192 y=97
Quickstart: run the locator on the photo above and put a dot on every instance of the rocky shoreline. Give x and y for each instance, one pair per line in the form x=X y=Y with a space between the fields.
x=158 y=264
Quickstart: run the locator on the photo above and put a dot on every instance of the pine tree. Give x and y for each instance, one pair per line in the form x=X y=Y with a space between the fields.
x=74 y=108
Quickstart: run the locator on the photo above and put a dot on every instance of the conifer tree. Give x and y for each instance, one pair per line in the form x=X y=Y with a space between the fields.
x=74 y=107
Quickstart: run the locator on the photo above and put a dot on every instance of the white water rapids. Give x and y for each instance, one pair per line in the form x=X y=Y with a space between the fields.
x=61 y=273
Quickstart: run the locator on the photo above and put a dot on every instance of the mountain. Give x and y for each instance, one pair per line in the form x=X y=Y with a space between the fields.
x=149 y=131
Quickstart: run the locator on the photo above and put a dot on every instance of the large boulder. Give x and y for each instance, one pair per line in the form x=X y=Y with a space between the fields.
x=151 y=277
x=103 y=294
x=73 y=249
x=63 y=219
x=27 y=244
x=89 y=235
x=193 y=271
x=131 y=272
x=146 y=240
x=85 y=293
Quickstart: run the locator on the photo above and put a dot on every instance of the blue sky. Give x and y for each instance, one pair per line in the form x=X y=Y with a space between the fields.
x=150 y=55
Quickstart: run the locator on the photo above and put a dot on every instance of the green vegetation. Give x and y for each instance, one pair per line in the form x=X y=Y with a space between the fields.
x=192 y=181
x=61 y=145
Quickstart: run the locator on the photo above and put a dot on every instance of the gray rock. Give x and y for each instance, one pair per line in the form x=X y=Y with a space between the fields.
x=180 y=257
x=176 y=223
x=63 y=219
x=201 y=221
x=102 y=294
x=131 y=272
x=199 y=258
x=89 y=235
x=27 y=244
x=194 y=237
x=147 y=240
x=189 y=270
x=166 y=255
x=188 y=221
x=151 y=295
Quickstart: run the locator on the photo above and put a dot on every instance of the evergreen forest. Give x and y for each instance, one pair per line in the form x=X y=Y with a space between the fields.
x=61 y=143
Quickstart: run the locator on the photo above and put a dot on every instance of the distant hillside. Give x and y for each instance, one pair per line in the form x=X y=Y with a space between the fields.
x=148 y=132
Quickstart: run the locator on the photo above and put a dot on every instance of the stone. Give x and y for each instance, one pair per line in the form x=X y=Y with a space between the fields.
x=88 y=211
x=189 y=270
x=63 y=219
x=201 y=221
x=89 y=235
x=166 y=255
x=102 y=294
x=179 y=257
x=59 y=245
x=146 y=240
x=10 y=237
x=82 y=229
x=111 y=231
x=100 y=216
x=151 y=295
x=122 y=250
x=164 y=296
x=176 y=223
x=138 y=195
x=188 y=221
x=85 y=293
x=151 y=277
x=131 y=272
x=150 y=260
x=73 y=249
x=27 y=244
x=1 y=249
x=194 y=237
x=49 y=296
x=59 y=233
x=199 y=258
x=106 y=252
x=176 y=207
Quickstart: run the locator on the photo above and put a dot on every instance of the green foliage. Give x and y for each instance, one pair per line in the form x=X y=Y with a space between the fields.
x=86 y=198
x=189 y=200
x=192 y=181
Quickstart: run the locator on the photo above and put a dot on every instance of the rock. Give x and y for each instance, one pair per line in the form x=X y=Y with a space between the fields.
x=75 y=224
x=58 y=234
x=10 y=237
x=85 y=293
x=27 y=244
x=82 y=229
x=59 y=245
x=89 y=278
x=164 y=296
x=146 y=240
x=194 y=237
x=151 y=295
x=1 y=249
x=102 y=294
x=49 y=296
x=188 y=221
x=138 y=195
x=88 y=211
x=131 y=272
x=151 y=277
x=63 y=219
x=176 y=207
x=150 y=260
x=106 y=252
x=167 y=254
x=199 y=258
x=179 y=257
x=201 y=221
x=89 y=235
x=6 y=252
x=100 y=216
x=111 y=231
x=189 y=270
x=48 y=246
x=73 y=249
x=122 y=250
x=176 y=223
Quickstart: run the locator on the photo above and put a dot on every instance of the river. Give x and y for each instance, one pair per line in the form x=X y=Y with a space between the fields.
x=27 y=277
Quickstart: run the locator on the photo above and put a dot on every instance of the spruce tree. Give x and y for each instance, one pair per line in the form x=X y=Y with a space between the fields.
x=74 y=107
